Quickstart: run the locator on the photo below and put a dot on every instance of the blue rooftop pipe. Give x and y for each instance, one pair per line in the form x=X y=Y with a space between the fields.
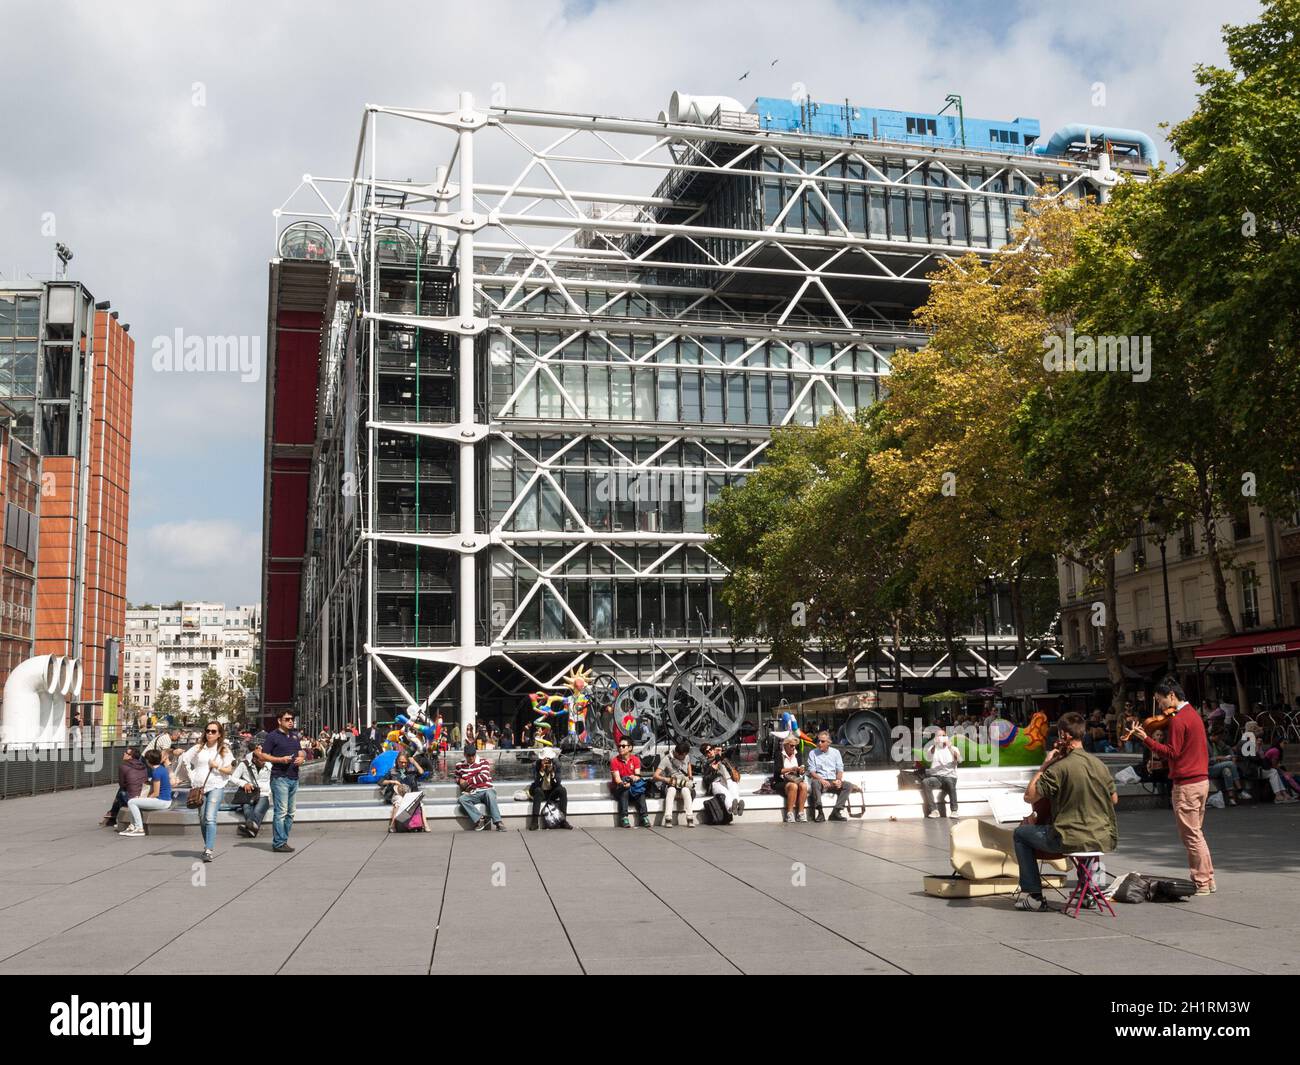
x=1077 y=132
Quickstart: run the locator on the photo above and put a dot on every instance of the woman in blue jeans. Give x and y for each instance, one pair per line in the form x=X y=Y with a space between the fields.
x=210 y=764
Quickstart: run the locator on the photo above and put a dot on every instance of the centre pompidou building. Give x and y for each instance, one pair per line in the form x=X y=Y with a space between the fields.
x=516 y=354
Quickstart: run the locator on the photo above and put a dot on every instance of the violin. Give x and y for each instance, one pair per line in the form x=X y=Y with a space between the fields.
x=1152 y=723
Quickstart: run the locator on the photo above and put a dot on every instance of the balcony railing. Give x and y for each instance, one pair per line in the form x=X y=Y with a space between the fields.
x=406 y=362
x=404 y=581
x=399 y=412
x=410 y=522
x=1189 y=630
x=406 y=636
x=405 y=470
x=1141 y=637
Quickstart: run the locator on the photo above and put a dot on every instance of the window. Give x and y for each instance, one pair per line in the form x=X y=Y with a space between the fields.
x=922 y=126
x=1249 y=597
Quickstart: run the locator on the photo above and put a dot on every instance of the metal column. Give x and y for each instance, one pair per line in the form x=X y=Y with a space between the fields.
x=467 y=621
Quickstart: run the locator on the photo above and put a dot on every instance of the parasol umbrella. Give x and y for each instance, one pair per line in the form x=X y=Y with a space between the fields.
x=944 y=697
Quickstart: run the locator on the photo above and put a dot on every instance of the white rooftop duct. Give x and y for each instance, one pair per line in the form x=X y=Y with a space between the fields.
x=699 y=109
x=35 y=700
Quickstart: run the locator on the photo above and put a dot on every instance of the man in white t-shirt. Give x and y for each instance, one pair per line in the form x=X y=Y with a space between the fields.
x=940 y=780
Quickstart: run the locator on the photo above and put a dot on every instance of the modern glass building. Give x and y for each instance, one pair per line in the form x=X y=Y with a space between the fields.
x=503 y=393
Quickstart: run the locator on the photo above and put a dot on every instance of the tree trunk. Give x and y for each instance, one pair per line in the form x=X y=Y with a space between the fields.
x=1110 y=638
x=1210 y=527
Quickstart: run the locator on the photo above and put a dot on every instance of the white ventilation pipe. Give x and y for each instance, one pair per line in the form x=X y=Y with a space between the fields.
x=699 y=109
x=35 y=700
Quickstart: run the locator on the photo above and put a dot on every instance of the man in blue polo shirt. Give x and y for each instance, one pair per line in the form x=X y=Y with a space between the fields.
x=282 y=750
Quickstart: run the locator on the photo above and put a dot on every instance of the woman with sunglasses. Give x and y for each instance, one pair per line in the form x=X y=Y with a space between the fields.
x=210 y=763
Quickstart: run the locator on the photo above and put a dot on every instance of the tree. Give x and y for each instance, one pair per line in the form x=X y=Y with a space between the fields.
x=975 y=510
x=814 y=549
x=1206 y=262
x=211 y=703
x=236 y=699
x=167 y=703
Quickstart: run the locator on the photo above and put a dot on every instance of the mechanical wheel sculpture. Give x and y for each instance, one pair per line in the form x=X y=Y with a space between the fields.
x=706 y=704
x=643 y=704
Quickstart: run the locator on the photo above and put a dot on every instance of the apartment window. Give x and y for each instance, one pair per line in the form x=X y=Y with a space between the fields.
x=189 y=684
x=1241 y=525
x=146 y=702
x=1249 y=598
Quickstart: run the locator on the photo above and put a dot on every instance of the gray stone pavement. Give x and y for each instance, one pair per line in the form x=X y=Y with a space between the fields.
x=352 y=899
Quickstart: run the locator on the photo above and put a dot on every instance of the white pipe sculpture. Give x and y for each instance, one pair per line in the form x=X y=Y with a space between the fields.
x=35 y=700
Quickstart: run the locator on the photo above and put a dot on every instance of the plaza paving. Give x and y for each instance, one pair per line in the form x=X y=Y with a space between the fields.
x=352 y=899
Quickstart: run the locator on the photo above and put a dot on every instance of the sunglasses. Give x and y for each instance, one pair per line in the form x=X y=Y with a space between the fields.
x=212 y=731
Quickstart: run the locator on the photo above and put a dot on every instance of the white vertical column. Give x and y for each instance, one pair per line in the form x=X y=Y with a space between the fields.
x=466 y=506
x=371 y=283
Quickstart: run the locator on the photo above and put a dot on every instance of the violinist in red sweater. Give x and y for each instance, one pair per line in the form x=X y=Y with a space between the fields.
x=1187 y=754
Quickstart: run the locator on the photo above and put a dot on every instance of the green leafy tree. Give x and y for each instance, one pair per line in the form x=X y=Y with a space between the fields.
x=976 y=511
x=211 y=702
x=814 y=549
x=236 y=699
x=167 y=702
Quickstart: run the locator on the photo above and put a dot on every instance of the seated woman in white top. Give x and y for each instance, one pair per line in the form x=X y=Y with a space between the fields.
x=790 y=778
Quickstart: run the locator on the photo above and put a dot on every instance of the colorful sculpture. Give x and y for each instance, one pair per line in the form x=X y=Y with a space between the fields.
x=573 y=705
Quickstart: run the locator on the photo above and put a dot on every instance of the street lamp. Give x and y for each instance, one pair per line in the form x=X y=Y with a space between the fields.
x=1164 y=576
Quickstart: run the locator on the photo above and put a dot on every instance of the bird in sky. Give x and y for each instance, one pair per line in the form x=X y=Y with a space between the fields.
x=743 y=76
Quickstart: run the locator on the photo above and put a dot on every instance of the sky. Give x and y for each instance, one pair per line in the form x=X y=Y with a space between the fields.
x=157 y=138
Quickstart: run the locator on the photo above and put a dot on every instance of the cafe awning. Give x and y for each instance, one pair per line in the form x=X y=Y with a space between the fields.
x=1274 y=642
x=1052 y=678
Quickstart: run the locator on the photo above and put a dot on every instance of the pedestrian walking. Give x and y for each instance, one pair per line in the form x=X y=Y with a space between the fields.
x=209 y=764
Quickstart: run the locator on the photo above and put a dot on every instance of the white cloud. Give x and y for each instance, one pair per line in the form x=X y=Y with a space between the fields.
x=194 y=559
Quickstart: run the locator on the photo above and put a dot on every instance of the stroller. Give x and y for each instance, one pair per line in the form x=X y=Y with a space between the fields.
x=408 y=813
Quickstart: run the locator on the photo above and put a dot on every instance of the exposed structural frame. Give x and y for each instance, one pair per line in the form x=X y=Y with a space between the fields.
x=804 y=316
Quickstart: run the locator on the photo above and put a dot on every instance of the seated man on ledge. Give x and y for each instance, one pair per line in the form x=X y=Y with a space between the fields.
x=826 y=773
x=1083 y=797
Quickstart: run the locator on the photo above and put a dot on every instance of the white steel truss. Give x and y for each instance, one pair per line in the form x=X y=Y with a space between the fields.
x=602 y=331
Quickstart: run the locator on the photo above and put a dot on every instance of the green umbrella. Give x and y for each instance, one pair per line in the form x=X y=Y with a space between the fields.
x=945 y=697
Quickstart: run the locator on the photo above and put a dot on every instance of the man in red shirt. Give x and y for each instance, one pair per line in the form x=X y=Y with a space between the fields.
x=626 y=784
x=1188 y=758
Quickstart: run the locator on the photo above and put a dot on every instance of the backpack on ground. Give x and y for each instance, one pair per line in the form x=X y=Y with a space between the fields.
x=715 y=812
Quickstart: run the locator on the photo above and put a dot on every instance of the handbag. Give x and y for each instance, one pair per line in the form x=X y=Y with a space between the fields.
x=195 y=798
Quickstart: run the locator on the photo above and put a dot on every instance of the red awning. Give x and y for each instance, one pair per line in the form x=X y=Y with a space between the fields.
x=1276 y=642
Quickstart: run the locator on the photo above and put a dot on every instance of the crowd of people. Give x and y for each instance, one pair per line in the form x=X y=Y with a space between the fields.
x=1073 y=793
x=262 y=770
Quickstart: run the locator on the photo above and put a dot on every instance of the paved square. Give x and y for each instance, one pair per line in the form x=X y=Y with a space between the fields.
x=352 y=899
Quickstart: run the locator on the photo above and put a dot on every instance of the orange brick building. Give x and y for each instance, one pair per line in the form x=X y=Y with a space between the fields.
x=79 y=418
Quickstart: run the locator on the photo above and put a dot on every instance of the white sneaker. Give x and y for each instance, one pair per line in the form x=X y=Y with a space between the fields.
x=132 y=831
x=933 y=813
x=690 y=822
x=1245 y=795
x=789 y=818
